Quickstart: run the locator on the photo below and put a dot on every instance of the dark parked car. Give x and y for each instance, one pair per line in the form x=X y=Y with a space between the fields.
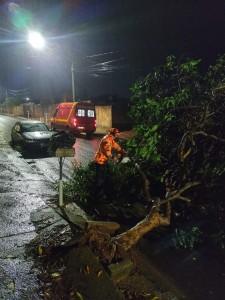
x=61 y=139
x=31 y=134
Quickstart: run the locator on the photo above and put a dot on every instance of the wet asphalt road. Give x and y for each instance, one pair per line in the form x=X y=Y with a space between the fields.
x=21 y=193
x=25 y=194
x=49 y=166
x=27 y=201
x=29 y=205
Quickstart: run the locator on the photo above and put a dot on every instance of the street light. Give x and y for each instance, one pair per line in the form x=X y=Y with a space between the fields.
x=36 y=40
x=73 y=85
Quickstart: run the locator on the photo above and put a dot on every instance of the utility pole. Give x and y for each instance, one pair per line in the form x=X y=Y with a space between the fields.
x=73 y=84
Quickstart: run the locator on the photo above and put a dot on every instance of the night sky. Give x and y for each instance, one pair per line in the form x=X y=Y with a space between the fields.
x=112 y=42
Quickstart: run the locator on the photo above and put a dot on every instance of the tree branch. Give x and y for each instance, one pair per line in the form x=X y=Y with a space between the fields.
x=146 y=183
x=209 y=135
x=184 y=199
x=186 y=137
x=177 y=194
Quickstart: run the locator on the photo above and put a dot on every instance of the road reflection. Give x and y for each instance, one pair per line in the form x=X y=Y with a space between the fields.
x=85 y=149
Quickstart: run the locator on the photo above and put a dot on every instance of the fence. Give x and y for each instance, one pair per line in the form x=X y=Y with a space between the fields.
x=43 y=112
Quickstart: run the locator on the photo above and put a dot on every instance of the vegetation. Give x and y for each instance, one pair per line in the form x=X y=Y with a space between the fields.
x=123 y=183
x=186 y=239
x=179 y=122
x=178 y=153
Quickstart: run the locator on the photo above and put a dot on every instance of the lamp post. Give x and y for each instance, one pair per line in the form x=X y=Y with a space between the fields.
x=73 y=85
x=37 y=41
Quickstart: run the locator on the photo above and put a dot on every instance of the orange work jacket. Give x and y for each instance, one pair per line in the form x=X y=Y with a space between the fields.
x=105 y=149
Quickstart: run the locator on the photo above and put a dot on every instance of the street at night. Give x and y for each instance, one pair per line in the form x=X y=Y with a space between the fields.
x=32 y=180
x=112 y=150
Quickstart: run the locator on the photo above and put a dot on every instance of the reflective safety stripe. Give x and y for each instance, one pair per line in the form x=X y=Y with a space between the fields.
x=105 y=149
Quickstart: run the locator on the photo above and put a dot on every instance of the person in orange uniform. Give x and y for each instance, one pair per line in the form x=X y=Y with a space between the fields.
x=103 y=156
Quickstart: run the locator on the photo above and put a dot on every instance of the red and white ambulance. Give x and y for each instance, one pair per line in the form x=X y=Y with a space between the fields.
x=75 y=117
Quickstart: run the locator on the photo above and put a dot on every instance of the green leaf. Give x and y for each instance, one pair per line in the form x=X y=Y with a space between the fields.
x=79 y=295
x=154 y=128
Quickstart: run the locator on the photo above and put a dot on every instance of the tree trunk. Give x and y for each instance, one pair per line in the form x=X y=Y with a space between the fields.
x=129 y=238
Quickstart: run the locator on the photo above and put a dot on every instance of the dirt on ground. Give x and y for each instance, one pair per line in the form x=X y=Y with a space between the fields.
x=75 y=273
x=146 y=282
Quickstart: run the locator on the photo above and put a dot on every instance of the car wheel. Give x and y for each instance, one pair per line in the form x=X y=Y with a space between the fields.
x=88 y=135
x=13 y=143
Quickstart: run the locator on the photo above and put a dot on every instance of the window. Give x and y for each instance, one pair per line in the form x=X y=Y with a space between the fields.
x=81 y=112
x=32 y=127
x=90 y=113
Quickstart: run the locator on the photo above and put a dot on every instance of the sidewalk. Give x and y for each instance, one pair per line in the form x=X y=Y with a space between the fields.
x=28 y=205
x=23 y=195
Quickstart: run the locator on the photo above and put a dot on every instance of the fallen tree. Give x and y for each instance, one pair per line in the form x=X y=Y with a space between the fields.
x=176 y=168
x=179 y=143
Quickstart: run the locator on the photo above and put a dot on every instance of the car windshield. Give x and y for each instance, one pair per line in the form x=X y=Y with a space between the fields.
x=32 y=127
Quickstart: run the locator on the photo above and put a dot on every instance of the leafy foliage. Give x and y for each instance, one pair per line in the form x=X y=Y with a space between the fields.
x=125 y=183
x=178 y=117
x=81 y=185
x=186 y=238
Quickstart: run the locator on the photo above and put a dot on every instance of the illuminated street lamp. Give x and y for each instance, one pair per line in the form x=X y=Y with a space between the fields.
x=36 y=40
